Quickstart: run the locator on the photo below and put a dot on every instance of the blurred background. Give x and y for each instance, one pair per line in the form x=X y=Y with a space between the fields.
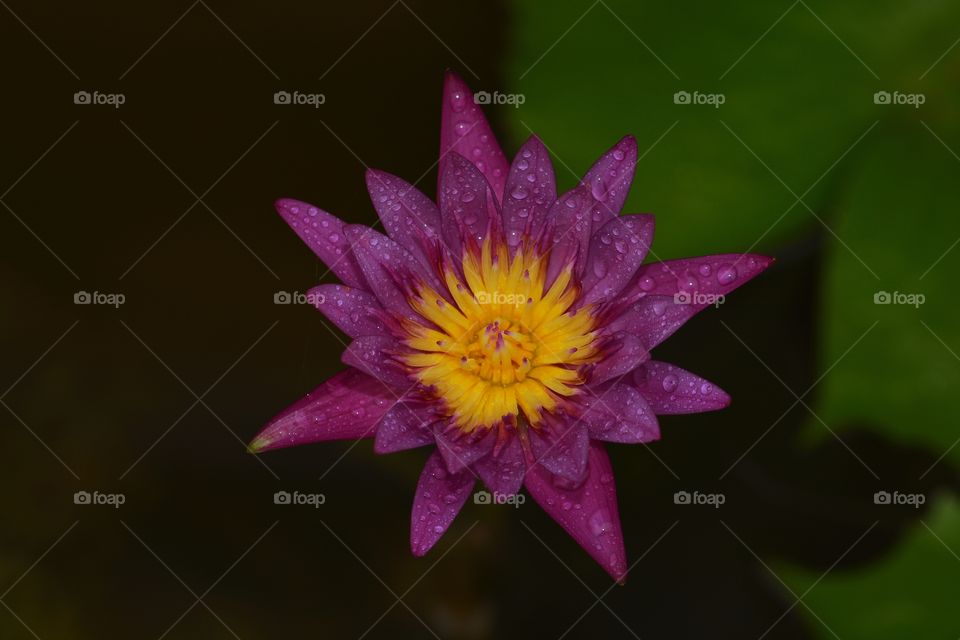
x=143 y=148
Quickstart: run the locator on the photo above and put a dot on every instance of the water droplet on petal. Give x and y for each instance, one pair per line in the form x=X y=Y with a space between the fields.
x=519 y=193
x=726 y=274
x=669 y=383
x=600 y=522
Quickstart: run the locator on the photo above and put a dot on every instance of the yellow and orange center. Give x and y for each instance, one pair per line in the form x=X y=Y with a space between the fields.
x=507 y=348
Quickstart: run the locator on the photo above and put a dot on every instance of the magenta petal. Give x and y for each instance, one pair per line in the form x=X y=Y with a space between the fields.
x=610 y=178
x=619 y=413
x=355 y=312
x=373 y=355
x=588 y=512
x=625 y=352
x=503 y=471
x=617 y=250
x=388 y=268
x=464 y=129
x=439 y=498
x=462 y=450
x=568 y=231
x=347 y=406
x=562 y=448
x=464 y=196
x=671 y=390
x=323 y=233
x=531 y=189
x=407 y=425
x=410 y=217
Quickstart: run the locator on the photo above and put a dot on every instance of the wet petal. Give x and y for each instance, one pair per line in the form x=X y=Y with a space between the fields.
x=464 y=195
x=410 y=217
x=407 y=425
x=610 y=178
x=373 y=355
x=323 y=233
x=464 y=129
x=625 y=353
x=588 y=511
x=462 y=450
x=347 y=406
x=562 y=448
x=439 y=498
x=671 y=390
x=354 y=311
x=502 y=472
x=531 y=189
x=619 y=413
x=617 y=250
x=568 y=232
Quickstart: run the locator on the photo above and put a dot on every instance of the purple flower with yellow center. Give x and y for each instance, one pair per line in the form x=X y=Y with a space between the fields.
x=508 y=327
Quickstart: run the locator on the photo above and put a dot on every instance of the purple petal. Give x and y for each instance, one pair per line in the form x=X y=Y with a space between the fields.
x=355 y=312
x=610 y=179
x=672 y=292
x=619 y=413
x=531 y=189
x=347 y=406
x=617 y=250
x=568 y=232
x=671 y=390
x=588 y=512
x=439 y=498
x=464 y=129
x=407 y=425
x=409 y=217
x=373 y=355
x=464 y=196
x=503 y=471
x=462 y=450
x=562 y=448
x=388 y=268
x=625 y=352
x=323 y=233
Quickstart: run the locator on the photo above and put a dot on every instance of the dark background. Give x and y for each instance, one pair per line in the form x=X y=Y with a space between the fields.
x=167 y=200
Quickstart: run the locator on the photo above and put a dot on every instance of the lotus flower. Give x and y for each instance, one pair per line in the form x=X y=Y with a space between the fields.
x=505 y=326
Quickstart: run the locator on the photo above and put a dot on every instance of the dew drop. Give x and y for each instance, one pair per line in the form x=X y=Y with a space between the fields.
x=669 y=383
x=726 y=274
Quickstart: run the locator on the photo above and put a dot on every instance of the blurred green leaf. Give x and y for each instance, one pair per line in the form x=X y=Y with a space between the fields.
x=910 y=594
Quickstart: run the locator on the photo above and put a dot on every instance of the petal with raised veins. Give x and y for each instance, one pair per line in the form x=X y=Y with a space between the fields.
x=671 y=390
x=346 y=407
x=324 y=234
x=587 y=511
x=440 y=496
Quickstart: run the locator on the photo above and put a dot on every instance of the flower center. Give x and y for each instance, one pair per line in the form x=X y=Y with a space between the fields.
x=507 y=347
